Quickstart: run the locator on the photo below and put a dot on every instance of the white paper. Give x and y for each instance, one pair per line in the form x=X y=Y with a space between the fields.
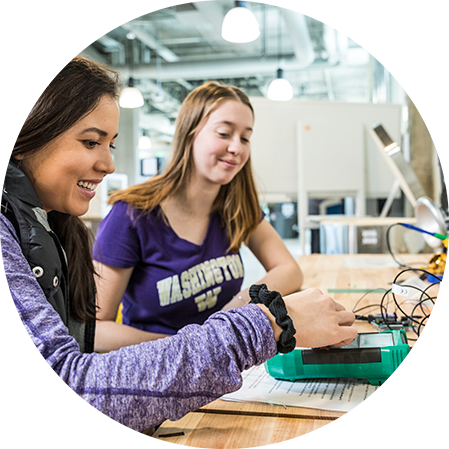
x=324 y=394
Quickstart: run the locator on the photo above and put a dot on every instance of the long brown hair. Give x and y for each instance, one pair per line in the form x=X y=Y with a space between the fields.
x=237 y=202
x=74 y=93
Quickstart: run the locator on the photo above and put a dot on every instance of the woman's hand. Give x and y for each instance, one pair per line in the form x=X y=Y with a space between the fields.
x=318 y=319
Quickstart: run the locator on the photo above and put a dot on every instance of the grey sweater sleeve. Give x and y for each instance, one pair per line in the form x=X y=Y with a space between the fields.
x=141 y=386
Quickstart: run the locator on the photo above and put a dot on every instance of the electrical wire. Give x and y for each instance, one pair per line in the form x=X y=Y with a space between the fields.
x=364 y=317
x=387 y=237
x=359 y=317
x=389 y=246
x=363 y=296
x=416 y=323
x=415 y=303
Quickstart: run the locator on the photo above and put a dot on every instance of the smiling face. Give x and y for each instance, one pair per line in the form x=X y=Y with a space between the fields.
x=66 y=172
x=221 y=147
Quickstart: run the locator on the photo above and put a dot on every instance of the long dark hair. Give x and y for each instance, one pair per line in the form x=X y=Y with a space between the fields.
x=74 y=93
x=237 y=202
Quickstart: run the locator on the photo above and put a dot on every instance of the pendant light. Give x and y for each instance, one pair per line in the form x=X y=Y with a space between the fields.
x=144 y=141
x=240 y=26
x=280 y=88
x=131 y=97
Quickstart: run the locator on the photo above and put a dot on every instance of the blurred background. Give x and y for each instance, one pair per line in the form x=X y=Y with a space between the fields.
x=319 y=168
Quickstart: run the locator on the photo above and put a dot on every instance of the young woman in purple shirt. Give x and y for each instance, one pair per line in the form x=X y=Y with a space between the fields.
x=61 y=155
x=169 y=248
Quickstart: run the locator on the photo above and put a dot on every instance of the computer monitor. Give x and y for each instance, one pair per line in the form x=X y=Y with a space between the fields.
x=429 y=216
x=150 y=166
x=391 y=152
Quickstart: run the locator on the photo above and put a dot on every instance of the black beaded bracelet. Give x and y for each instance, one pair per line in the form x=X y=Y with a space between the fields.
x=259 y=294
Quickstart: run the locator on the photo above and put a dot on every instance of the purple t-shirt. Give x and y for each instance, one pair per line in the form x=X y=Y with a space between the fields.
x=174 y=282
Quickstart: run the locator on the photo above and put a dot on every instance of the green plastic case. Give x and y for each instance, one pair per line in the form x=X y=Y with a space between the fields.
x=408 y=379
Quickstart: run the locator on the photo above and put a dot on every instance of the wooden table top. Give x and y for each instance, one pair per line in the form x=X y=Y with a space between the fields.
x=354 y=271
x=227 y=425
x=349 y=286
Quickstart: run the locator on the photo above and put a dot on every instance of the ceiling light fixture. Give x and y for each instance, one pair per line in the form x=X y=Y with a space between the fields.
x=144 y=142
x=280 y=89
x=131 y=97
x=240 y=26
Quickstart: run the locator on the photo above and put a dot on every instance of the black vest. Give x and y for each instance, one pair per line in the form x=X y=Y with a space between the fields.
x=41 y=247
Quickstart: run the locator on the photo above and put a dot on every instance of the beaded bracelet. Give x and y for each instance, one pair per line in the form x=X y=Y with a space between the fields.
x=259 y=294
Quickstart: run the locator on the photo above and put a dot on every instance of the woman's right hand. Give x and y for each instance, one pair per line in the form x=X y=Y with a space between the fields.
x=318 y=319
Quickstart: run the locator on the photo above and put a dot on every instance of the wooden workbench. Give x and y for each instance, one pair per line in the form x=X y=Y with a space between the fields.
x=232 y=425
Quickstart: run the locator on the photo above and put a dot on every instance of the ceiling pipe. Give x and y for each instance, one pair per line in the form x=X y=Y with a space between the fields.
x=300 y=37
x=223 y=68
x=153 y=43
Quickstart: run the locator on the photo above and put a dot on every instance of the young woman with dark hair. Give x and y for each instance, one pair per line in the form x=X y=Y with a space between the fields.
x=142 y=385
x=77 y=91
